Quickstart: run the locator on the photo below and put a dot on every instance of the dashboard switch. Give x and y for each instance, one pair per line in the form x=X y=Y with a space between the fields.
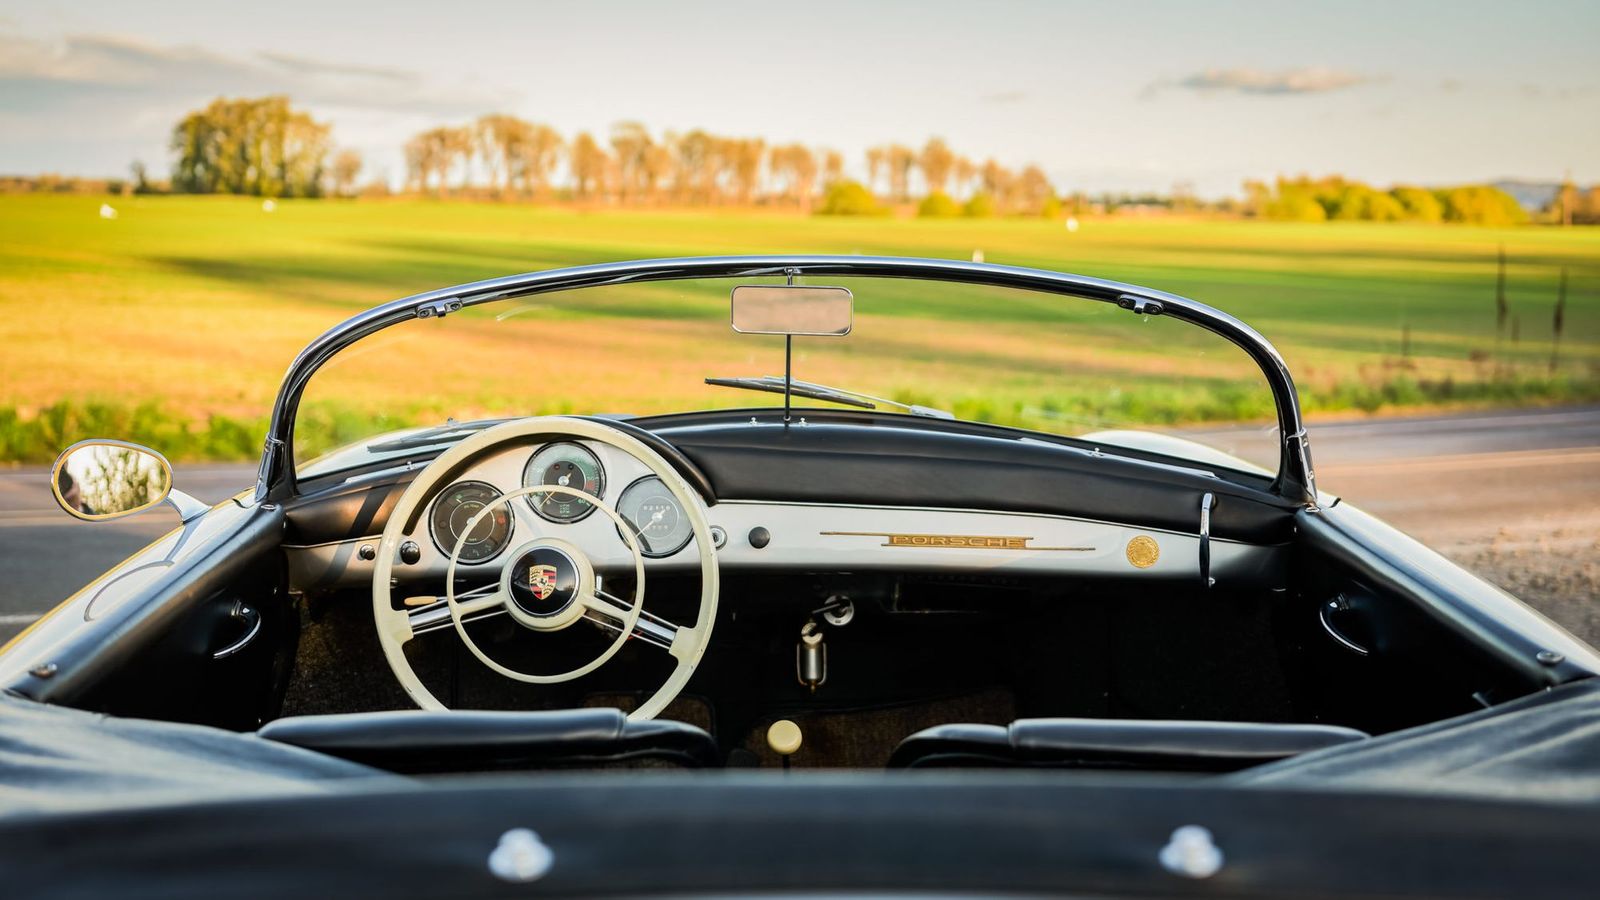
x=410 y=553
x=759 y=537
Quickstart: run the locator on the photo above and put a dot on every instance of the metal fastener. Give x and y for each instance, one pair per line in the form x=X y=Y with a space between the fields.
x=520 y=857
x=1191 y=853
x=1550 y=658
x=43 y=670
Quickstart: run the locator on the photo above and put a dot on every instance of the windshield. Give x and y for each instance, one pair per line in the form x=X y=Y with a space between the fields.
x=998 y=355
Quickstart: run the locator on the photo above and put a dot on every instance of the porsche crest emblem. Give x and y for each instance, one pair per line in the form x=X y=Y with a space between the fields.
x=1143 y=551
x=542 y=581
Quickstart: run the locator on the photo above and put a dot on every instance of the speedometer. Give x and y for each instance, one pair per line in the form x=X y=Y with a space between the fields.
x=565 y=465
x=658 y=520
x=455 y=507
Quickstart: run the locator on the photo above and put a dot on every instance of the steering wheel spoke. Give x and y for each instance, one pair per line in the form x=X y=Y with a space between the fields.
x=611 y=612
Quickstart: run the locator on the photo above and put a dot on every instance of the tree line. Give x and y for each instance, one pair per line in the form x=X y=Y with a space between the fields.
x=1338 y=199
x=266 y=147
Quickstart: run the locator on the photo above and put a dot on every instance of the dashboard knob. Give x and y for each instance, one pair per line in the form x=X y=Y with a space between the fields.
x=759 y=537
x=410 y=553
x=367 y=552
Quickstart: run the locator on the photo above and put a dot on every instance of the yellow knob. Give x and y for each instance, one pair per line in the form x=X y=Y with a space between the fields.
x=783 y=737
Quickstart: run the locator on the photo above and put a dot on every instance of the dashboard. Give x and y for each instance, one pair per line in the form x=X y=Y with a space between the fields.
x=835 y=512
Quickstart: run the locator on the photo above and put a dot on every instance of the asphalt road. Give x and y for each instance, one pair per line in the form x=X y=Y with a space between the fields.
x=1511 y=495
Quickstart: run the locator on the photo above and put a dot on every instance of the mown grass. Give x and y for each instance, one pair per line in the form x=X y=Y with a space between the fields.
x=173 y=323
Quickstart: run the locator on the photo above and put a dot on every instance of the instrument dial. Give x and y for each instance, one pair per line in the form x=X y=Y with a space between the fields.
x=659 y=521
x=455 y=507
x=565 y=465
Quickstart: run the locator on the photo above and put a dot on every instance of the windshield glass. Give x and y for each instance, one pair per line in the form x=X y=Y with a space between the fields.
x=998 y=355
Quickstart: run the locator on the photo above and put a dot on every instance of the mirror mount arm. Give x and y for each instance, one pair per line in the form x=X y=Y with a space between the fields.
x=790 y=274
x=187 y=506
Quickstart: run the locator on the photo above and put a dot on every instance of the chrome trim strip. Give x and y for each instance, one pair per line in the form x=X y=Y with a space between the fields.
x=1295 y=479
x=1336 y=634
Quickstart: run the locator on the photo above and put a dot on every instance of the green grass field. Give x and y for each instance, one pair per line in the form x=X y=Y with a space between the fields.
x=174 y=322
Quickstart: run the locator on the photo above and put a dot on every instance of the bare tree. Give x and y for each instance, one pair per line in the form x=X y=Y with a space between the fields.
x=963 y=170
x=346 y=169
x=877 y=158
x=534 y=157
x=1033 y=190
x=936 y=162
x=697 y=153
x=997 y=182
x=900 y=161
x=796 y=168
x=744 y=165
x=589 y=164
x=631 y=144
x=499 y=140
x=832 y=165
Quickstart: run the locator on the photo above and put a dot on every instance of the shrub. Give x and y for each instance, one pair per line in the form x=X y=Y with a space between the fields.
x=849 y=198
x=980 y=206
x=938 y=205
x=1419 y=204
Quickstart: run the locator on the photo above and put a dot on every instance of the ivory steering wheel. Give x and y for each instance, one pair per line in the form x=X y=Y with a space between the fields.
x=548 y=583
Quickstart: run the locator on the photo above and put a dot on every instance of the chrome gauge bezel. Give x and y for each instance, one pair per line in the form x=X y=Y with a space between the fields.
x=535 y=500
x=644 y=542
x=446 y=549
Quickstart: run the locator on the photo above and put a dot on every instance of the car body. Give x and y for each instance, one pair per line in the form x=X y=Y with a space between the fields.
x=1113 y=663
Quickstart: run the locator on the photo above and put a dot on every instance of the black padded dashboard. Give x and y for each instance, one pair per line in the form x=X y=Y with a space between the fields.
x=877 y=459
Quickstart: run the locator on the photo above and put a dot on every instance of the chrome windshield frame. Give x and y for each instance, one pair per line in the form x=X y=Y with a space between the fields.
x=1295 y=479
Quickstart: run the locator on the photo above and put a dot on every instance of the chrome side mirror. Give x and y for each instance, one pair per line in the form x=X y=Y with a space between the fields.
x=101 y=479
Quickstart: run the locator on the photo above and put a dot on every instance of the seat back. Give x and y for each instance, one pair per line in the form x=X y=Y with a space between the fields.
x=1141 y=744
x=425 y=741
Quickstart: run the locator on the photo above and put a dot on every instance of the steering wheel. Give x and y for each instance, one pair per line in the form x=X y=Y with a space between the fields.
x=548 y=584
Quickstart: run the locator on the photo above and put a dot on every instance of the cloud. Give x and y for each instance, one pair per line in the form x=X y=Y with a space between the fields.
x=1565 y=92
x=316 y=66
x=1262 y=83
x=97 y=69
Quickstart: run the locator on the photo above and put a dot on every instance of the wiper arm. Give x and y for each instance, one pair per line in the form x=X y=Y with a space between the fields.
x=774 y=385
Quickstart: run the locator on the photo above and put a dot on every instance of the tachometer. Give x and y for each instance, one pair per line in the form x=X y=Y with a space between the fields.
x=658 y=520
x=567 y=465
x=455 y=507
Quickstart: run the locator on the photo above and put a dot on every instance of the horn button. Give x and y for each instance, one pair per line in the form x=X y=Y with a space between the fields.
x=543 y=582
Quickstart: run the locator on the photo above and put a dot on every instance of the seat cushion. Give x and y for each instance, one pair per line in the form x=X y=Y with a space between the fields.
x=1147 y=744
x=474 y=740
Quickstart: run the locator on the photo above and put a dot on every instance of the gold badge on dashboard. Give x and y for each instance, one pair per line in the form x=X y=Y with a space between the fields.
x=1143 y=551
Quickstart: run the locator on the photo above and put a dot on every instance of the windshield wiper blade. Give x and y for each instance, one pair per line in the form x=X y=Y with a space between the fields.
x=774 y=384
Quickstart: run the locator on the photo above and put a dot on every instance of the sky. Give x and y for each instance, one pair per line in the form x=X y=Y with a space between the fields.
x=1118 y=96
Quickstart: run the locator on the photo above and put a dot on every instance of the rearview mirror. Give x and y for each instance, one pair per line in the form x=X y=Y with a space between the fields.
x=792 y=309
x=104 y=479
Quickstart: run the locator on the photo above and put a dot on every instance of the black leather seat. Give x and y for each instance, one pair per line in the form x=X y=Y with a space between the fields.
x=420 y=741
x=1139 y=744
